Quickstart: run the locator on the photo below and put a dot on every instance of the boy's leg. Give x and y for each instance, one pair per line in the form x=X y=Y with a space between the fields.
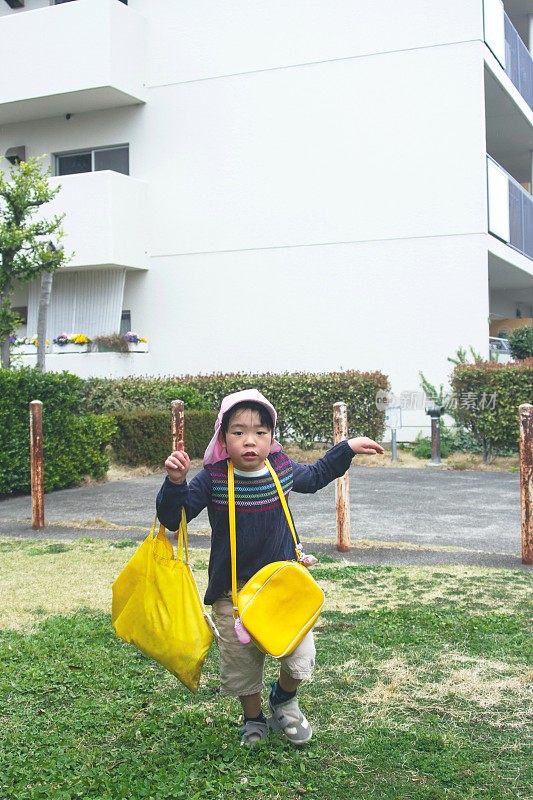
x=241 y=672
x=251 y=705
x=287 y=683
x=286 y=714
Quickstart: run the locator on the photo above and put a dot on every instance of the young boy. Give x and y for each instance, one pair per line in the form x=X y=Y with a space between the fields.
x=244 y=434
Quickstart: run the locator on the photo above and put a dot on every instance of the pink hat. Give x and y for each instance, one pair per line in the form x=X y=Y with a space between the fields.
x=215 y=449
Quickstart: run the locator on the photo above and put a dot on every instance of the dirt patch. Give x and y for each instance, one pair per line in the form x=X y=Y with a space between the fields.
x=406 y=460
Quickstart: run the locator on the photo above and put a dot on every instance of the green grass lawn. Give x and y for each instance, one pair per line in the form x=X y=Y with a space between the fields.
x=421 y=692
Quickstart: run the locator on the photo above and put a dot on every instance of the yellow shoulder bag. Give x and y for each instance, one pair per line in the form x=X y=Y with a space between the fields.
x=281 y=602
x=157 y=607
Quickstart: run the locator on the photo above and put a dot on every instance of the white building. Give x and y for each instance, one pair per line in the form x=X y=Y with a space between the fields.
x=261 y=185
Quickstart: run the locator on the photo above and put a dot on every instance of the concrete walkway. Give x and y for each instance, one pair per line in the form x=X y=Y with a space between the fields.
x=404 y=515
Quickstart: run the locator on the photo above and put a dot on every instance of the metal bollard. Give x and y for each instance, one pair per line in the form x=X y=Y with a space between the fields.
x=526 y=480
x=342 y=485
x=37 y=464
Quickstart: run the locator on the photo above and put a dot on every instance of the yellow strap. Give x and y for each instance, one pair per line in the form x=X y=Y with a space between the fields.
x=182 y=538
x=160 y=533
x=284 y=505
x=233 y=526
x=232 y=537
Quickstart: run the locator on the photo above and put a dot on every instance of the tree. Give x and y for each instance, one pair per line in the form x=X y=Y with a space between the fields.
x=521 y=342
x=25 y=250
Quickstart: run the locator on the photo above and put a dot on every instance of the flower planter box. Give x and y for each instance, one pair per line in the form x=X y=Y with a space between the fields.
x=140 y=347
x=69 y=348
x=25 y=350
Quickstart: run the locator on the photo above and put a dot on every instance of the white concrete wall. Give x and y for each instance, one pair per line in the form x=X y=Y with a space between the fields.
x=86 y=365
x=366 y=306
x=388 y=146
x=206 y=38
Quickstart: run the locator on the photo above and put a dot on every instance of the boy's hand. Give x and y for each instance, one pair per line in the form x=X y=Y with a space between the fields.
x=365 y=446
x=178 y=464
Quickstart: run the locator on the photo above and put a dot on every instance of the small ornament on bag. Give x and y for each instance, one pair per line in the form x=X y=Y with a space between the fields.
x=241 y=633
x=307 y=561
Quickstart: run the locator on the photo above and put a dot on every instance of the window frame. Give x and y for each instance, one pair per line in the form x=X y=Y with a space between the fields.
x=91 y=151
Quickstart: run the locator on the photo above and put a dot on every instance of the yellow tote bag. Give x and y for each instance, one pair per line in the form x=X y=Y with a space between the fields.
x=157 y=607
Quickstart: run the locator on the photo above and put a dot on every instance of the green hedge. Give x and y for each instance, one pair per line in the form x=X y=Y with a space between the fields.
x=303 y=400
x=74 y=444
x=487 y=397
x=143 y=437
x=107 y=395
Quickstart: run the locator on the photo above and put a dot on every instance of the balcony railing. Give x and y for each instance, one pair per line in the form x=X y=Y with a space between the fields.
x=518 y=62
x=510 y=209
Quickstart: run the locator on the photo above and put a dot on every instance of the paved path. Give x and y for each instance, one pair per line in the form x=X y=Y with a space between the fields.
x=476 y=511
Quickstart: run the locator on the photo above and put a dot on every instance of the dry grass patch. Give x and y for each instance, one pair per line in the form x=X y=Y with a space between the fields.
x=92 y=524
x=40 y=579
x=467 y=686
x=472 y=590
x=463 y=461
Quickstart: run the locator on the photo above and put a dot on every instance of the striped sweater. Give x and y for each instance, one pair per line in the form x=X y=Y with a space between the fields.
x=263 y=535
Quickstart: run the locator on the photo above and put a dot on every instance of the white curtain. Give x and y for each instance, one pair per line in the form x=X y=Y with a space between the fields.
x=88 y=302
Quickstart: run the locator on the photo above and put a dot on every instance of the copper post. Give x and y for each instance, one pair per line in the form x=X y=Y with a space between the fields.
x=342 y=485
x=178 y=424
x=36 y=464
x=526 y=480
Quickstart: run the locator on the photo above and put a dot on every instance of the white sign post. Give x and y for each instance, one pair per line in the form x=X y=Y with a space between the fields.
x=393 y=420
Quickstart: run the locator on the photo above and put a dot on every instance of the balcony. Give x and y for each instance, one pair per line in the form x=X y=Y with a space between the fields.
x=510 y=209
x=509 y=49
x=518 y=62
x=71 y=58
x=105 y=219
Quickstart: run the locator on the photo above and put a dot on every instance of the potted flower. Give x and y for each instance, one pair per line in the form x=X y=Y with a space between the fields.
x=136 y=343
x=110 y=343
x=25 y=345
x=71 y=343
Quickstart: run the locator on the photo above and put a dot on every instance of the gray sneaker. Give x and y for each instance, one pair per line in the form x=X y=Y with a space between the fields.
x=253 y=732
x=287 y=718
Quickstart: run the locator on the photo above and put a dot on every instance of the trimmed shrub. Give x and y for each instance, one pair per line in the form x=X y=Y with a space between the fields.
x=487 y=397
x=303 y=400
x=521 y=342
x=143 y=437
x=74 y=444
x=422 y=444
x=106 y=395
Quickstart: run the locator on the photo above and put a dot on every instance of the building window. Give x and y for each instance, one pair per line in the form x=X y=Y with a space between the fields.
x=125 y=322
x=113 y=158
x=22 y=313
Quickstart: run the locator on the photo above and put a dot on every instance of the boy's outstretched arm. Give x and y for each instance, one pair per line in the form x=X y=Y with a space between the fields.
x=365 y=446
x=309 y=478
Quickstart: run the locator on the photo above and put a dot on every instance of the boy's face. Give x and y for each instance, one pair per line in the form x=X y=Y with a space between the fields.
x=247 y=440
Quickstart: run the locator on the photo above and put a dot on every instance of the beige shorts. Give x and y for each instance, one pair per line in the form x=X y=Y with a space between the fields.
x=241 y=665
